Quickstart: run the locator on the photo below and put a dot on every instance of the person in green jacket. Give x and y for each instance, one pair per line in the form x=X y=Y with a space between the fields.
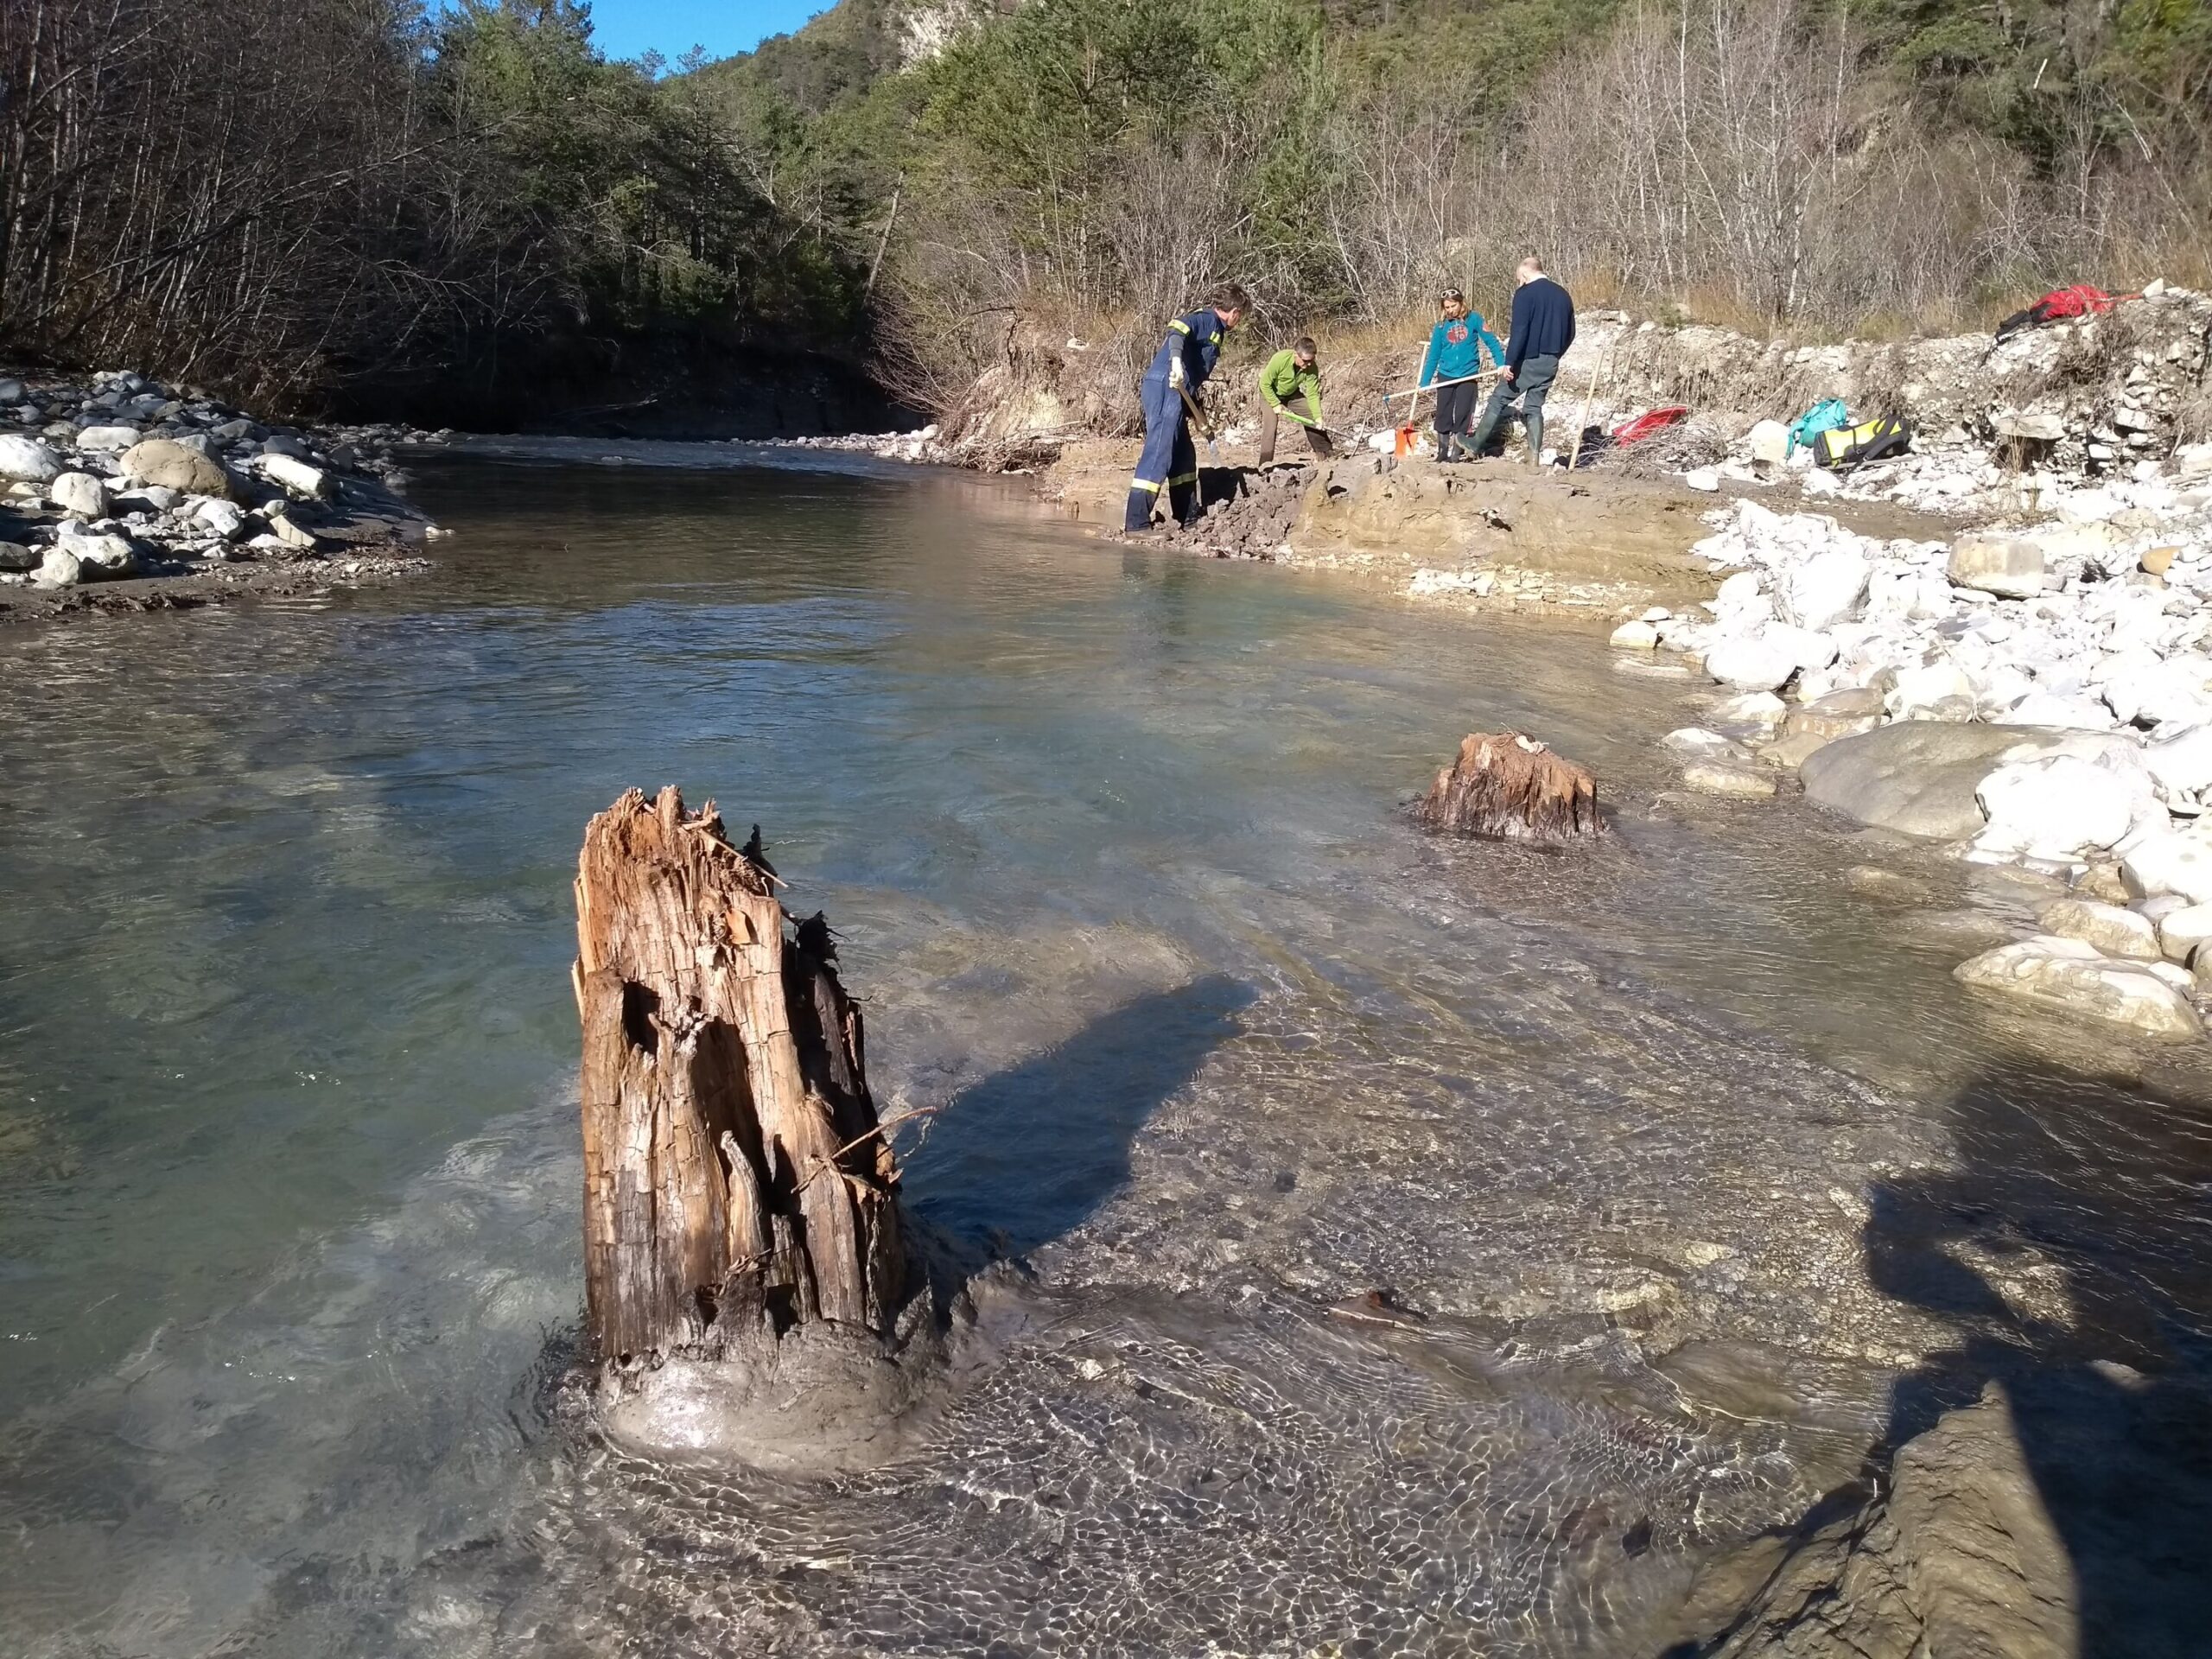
x=1290 y=389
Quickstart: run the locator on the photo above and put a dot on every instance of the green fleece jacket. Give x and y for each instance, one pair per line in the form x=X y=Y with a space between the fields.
x=1282 y=379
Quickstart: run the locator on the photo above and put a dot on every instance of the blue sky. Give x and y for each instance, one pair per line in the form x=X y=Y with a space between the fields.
x=628 y=28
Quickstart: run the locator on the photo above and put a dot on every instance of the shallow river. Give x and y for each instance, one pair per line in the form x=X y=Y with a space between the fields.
x=1701 y=1173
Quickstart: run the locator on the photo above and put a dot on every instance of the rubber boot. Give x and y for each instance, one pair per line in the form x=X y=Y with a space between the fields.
x=1483 y=427
x=1533 y=424
x=1137 y=519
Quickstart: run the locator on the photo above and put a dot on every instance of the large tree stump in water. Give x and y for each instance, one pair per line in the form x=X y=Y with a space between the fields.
x=1510 y=787
x=735 y=1181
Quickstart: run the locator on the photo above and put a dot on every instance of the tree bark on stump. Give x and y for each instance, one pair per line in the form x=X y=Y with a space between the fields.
x=735 y=1179
x=1508 y=787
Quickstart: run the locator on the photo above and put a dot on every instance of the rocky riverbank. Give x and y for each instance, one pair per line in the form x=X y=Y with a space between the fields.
x=116 y=493
x=2032 y=694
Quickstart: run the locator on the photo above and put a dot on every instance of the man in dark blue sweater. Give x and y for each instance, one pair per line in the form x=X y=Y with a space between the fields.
x=1543 y=327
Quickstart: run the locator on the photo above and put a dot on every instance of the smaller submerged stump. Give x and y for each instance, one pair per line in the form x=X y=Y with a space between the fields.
x=1506 y=786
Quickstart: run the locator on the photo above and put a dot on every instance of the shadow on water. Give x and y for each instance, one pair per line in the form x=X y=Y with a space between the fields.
x=2111 y=1401
x=1032 y=1152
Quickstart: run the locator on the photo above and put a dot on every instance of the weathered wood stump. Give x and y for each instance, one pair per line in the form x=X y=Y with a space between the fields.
x=736 y=1181
x=1507 y=786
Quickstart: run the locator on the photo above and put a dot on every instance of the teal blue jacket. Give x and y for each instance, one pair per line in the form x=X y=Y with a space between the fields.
x=1455 y=349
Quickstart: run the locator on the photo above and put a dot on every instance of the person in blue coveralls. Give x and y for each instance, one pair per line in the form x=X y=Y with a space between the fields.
x=1170 y=392
x=1455 y=352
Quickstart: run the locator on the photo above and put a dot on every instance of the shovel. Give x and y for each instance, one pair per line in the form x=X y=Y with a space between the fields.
x=1205 y=432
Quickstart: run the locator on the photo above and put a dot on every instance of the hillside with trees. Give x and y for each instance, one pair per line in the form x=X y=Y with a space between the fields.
x=362 y=199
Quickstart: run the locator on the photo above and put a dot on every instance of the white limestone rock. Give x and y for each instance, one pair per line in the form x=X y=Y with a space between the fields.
x=79 y=495
x=1719 y=778
x=2182 y=929
x=1754 y=664
x=58 y=569
x=1635 y=635
x=2171 y=861
x=2114 y=931
x=1930 y=690
x=28 y=460
x=1757 y=708
x=2069 y=976
x=299 y=478
x=2058 y=806
x=1827 y=589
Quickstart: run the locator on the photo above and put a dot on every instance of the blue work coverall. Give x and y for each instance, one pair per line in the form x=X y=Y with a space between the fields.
x=1170 y=459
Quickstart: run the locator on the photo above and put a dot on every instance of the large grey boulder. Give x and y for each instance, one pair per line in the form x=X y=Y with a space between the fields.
x=171 y=465
x=1917 y=777
x=27 y=460
x=107 y=437
x=15 y=556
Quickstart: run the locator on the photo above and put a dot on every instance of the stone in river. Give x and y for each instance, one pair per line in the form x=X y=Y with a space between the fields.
x=1916 y=777
x=14 y=555
x=1761 y=709
x=2181 y=931
x=1794 y=748
x=28 y=460
x=107 y=437
x=2069 y=976
x=1718 y=778
x=1840 y=713
x=1636 y=635
x=79 y=495
x=171 y=465
x=2115 y=931
x=1752 y=664
x=1696 y=742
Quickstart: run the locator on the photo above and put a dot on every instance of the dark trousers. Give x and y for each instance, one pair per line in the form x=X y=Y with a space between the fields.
x=1531 y=384
x=1316 y=439
x=1455 y=409
x=1170 y=460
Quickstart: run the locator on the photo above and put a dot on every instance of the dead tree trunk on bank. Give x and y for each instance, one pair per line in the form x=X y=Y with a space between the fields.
x=735 y=1178
x=1510 y=787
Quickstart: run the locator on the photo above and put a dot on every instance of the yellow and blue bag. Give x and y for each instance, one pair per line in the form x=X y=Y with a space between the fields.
x=1854 y=446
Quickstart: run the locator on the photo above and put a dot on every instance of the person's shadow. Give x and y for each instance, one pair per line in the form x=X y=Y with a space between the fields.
x=2112 y=1399
x=1032 y=1152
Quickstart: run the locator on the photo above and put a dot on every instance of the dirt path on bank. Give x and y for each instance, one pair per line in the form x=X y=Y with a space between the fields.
x=1486 y=534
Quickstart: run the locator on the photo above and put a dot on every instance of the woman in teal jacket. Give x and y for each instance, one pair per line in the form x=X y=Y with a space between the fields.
x=1455 y=348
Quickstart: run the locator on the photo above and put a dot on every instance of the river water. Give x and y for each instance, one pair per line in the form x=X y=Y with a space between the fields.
x=1690 y=1156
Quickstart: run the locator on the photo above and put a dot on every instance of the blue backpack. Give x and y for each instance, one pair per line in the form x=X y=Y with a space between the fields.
x=1821 y=417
